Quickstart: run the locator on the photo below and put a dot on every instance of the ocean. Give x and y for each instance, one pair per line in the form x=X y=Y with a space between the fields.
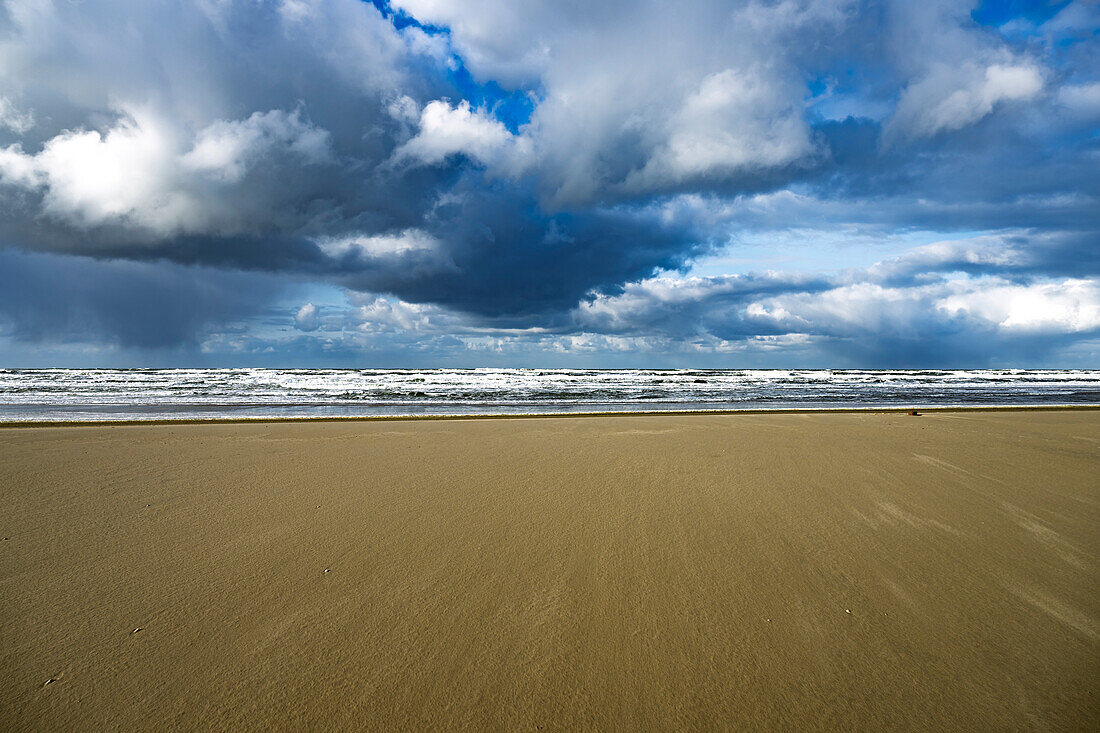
x=149 y=394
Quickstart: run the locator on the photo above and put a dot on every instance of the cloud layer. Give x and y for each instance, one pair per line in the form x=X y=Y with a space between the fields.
x=465 y=179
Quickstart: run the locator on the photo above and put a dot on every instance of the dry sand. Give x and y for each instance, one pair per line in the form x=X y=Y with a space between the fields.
x=799 y=571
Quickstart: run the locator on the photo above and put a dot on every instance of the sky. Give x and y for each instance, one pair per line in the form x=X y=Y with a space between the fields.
x=550 y=183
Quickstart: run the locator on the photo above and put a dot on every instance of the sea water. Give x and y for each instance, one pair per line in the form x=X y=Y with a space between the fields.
x=112 y=394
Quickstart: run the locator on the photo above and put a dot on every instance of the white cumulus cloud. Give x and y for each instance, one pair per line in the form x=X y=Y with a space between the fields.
x=461 y=130
x=147 y=172
x=307 y=318
x=734 y=121
x=1069 y=306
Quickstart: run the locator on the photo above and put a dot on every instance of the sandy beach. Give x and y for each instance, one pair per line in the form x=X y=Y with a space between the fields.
x=785 y=571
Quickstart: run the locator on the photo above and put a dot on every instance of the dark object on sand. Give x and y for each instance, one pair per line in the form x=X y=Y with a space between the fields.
x=914 y=413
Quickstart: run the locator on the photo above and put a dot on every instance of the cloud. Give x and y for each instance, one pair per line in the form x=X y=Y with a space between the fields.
x=950 y=98
x=275 y=132
x=720 y=101
x=14 y=120
x=540 y=175
x=678 y=307
x=446 y=131
x=911 y=310
x=500 y=256
x=379 y=314
x=921 y=312
x=497 y=39
x=226 y=149
x=306 y=319
x=735 y=121
x=1070 y=306
x=142 y=173
x=1081 y=100
x=1013 y=254
x=382 y=246
x=54 y=299
x=1074 y=20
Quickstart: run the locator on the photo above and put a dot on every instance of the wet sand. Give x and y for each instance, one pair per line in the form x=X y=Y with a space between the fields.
x=792 y=571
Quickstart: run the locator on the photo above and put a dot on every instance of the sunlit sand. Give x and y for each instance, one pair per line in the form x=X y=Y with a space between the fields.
x=846 y=571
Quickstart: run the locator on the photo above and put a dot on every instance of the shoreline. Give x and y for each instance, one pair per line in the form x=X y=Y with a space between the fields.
x=16 y=424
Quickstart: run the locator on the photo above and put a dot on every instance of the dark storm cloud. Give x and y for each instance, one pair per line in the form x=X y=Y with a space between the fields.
x=506 y=257
x=46 y=297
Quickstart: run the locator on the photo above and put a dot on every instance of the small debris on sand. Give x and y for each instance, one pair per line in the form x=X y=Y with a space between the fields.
x=914 y=413
x=848 y=611
x=51 y=680
x=326 y=570
x=137 y=629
